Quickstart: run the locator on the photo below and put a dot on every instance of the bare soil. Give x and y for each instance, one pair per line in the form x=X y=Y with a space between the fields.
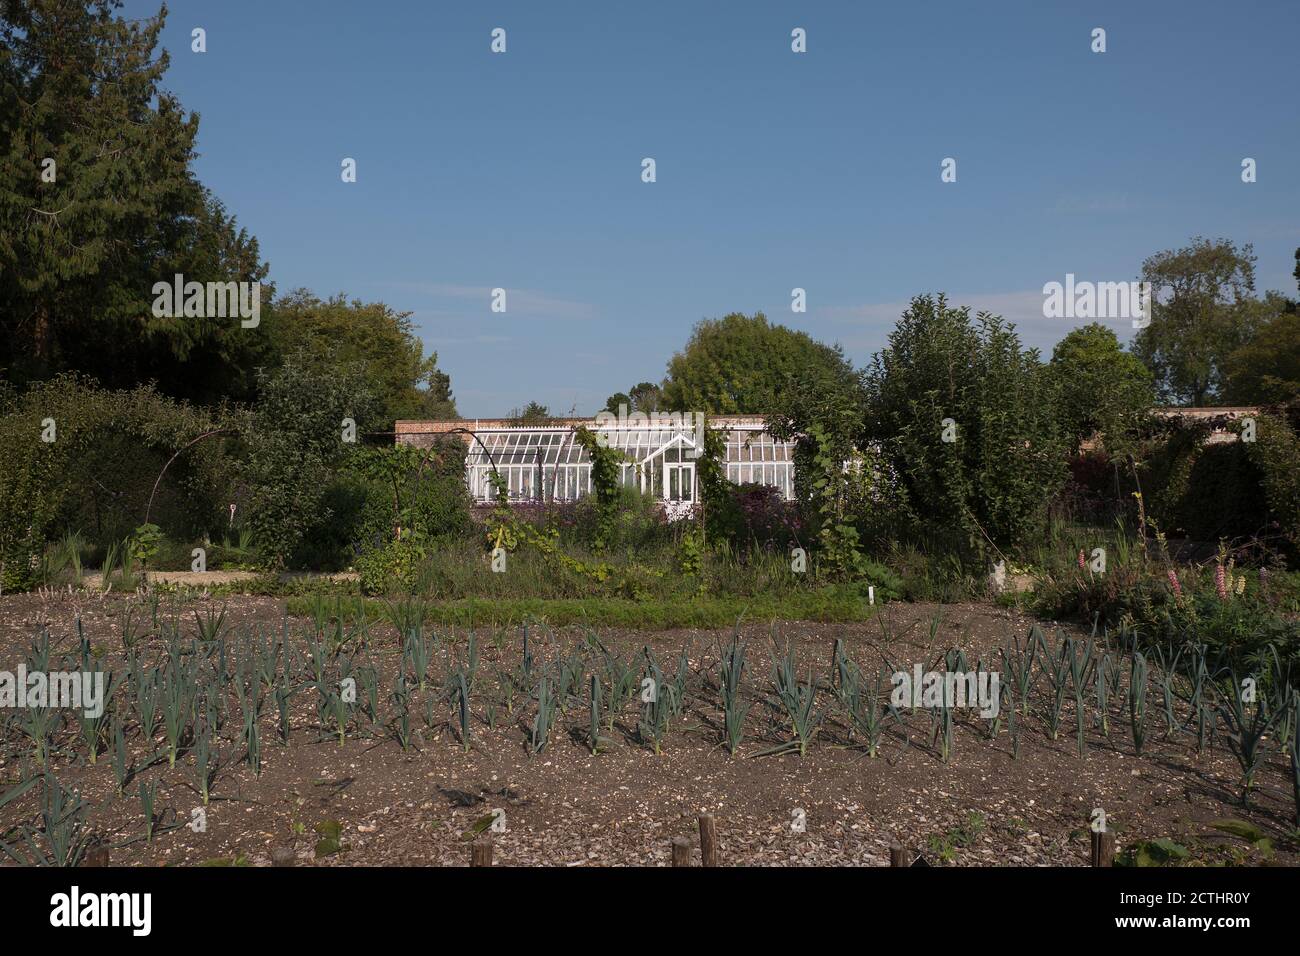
x=566 y=807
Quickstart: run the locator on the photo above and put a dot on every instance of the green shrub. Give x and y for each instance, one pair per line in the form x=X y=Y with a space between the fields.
x=1006 y=458
x=1233 y=490
x=295 y=445
x=395 y=566
x=99 y=472
x=382 y=489
x=1275 y=453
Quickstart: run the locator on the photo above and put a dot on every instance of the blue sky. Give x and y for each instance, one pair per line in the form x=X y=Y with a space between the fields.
x=775 y=170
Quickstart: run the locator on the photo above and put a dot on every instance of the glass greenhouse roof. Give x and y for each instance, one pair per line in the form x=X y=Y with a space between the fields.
x=556 y=445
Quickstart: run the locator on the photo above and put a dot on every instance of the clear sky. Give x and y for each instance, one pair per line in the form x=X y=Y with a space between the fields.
x=819 y=170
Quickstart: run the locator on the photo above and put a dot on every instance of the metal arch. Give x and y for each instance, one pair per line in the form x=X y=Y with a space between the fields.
x=149 y=506
x=463 y=431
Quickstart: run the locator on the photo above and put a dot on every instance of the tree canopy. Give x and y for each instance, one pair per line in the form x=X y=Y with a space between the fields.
x=330 y=332
x=1203 y=307
x=964 y=419
x=1099 y=387
x=98 y=201
x=1266 y=370
x=742 y=364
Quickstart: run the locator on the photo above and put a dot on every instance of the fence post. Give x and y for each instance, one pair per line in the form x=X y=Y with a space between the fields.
x=1103 y=848
x=708 y=840
x=681 y=852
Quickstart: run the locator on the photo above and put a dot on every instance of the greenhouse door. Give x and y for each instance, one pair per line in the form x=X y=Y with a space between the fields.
x=679 y=481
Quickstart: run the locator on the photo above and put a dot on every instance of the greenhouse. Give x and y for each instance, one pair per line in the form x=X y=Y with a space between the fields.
x=546 y=463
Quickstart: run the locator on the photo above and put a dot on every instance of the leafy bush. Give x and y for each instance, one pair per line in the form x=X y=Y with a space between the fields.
x=1232 y=490
x=1275 y=453
x=295 y=443
x=1006 y=457
x=380 y=489
x=394 y=566
x=98 y=473
x=764 y=520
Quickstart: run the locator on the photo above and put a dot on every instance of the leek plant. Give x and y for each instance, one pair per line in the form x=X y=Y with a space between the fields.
x=1246 y=729
x=121 y=770
x=860 y=700
x=1081 y=667
x=1102 y=689
x=368 y=678
x=318 y=657
x=94 y=730
x=1117 y=691
x=569 y=683
x=620 y=683
x=178 y=690
x=418 y=655
x=62 y=839
x=1137 y=700
x=1018 y=665
x=545 y=719
x=131 y=634
x=209 y=626
x=995 y=722
x=458 y=691
x=526 y=663
x=406 y=615
x=1168 y=671
x=332 y=710
x=402 y=707
x=38 y=722
x=250 y=705
x=1057 y=669
x=734 y=710
x=460 y=685
x=941 y=720
x=797 y=699
x=594 y=739
x=283 y=696
x=205 y=764
x=656 y=710
x=265 y=661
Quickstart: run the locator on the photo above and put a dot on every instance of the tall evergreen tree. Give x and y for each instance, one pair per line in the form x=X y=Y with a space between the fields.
x=98 y=201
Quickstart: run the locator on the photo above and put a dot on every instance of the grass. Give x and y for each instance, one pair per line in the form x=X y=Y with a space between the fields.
x=829 y=604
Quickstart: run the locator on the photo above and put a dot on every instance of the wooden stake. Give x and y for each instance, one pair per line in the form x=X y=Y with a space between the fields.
x=899 y=855
x=708 y=840
x=681 y=852
x=1103 y=848
x=481 y=852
